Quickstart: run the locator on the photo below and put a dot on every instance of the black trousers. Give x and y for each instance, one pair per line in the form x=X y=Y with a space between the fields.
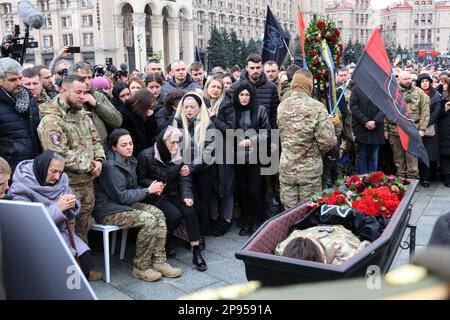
x=202 y=183
x=248 y=182
x=426 y=173
x=445 y=164
x=175 y=212
x=86 y=263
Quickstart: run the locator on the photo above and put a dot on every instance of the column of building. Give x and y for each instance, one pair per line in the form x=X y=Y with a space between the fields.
x=140 y=42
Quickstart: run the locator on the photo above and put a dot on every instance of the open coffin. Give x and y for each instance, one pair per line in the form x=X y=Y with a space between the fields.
x=261 y=263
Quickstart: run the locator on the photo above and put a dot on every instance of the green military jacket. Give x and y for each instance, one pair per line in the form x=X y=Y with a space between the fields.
x=306 y=133
x=74 y=135
x=333 y=238
x=419 y=109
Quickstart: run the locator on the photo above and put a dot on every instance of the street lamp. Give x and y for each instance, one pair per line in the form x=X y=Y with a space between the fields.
x=139 y=37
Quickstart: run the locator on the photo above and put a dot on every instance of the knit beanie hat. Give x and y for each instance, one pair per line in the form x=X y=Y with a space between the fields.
x=100 y=83
x=300 y=81
x=423 y=76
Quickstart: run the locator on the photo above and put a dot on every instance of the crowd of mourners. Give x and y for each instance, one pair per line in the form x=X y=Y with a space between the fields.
x=140 y=148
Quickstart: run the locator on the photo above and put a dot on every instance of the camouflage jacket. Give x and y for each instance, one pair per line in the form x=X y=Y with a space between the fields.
x=73 y=134
x=333 y=238
x=419 y=109
x=306 y=133
x=104 y=115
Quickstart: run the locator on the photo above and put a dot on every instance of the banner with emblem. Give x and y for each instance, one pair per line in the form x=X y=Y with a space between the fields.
x=276 y=40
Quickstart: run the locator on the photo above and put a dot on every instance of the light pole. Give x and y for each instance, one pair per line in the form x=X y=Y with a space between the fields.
x=139 y=37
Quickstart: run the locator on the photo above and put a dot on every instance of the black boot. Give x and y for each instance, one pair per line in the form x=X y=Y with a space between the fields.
x=170 y=252
x=447 y=180
x=197 y=259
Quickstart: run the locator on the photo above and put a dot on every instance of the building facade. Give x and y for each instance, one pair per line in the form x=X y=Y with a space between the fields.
x=131 y=31
x=355 y=18
x=247 y=17
x=126 y=30
x=417 y=25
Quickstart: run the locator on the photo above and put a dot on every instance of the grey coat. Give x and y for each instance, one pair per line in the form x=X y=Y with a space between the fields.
x=117 y=189
x=25 y=187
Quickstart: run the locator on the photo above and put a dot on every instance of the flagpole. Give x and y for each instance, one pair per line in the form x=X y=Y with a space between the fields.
x=289 y=51
x=340 y=97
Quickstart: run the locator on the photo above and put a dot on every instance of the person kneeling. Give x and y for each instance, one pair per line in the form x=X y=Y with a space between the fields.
x=118 y=202
x=43 y=180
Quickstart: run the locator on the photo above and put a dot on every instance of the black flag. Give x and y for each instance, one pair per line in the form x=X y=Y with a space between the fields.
x=276 y=40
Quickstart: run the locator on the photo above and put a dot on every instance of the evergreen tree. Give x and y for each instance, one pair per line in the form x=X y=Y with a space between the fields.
x=236 y=47
x=358 y=48
x=349 y=51
x=244 y=52
x=253 y=47
x=227 y=49
x=217 y=55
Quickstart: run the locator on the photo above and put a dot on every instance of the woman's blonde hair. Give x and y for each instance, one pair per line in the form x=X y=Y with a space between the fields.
x=200 y=127
x=4 y=167
x=215 y=104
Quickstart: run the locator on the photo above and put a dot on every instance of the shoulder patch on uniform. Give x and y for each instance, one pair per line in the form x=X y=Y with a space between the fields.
x=56 y=138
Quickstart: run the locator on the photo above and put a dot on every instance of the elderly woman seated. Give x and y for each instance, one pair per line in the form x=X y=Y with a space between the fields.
x=43 y=180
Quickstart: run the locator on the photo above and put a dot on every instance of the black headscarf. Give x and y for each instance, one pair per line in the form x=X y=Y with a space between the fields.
x=164 y=153
x=252 y=105
x=41 y=164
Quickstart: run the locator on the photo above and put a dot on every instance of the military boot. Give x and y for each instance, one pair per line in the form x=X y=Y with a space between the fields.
x=146 y=275
x=167 y=270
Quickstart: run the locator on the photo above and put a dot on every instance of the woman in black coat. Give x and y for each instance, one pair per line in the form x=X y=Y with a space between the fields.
x=139 y=120
x=252 y=117
x=223 y=116
x=444 y=141
x=163 y=163
x=431 y=143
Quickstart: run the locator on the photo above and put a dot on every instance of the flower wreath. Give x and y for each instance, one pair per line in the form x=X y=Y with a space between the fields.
x=318 y=30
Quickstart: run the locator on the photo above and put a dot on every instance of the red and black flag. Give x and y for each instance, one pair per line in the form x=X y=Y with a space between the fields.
x=276 y=40
x=374 y=77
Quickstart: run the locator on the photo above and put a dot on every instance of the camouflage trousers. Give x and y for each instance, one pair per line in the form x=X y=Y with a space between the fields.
x=85 y=193
x=151 y=237
x=407 y=165
x=294 y=192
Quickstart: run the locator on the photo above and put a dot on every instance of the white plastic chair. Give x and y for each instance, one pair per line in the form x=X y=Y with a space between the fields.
x=105 y=229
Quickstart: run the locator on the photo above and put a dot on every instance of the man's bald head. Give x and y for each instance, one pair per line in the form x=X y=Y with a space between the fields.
x=404 y=79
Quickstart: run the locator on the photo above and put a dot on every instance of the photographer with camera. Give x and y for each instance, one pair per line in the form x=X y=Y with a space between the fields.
x=19 y=116
x=104 y=115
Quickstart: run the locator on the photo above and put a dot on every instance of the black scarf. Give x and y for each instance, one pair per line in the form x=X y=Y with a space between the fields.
x=246 y=85
x=164 y=153
x=41 y=164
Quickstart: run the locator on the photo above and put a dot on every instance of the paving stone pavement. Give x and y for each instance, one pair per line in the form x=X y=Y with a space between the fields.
x=224 y=269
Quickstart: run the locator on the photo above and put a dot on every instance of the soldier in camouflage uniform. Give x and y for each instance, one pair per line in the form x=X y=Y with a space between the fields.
x=419 y=110
x=68 y=129
x=339 y=244
x=104 y=115
x=306 y=133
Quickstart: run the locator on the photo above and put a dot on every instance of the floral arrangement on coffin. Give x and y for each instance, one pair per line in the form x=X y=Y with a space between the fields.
x=318 y=30
x=373 y=194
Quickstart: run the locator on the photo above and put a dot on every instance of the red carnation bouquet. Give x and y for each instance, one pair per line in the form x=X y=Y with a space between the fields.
x=373 y=194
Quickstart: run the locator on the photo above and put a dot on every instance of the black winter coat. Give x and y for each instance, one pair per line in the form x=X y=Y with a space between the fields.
x=244 y=122
x=266 y=93
x=142 y=132
x=164 y=118
x=363 y=110
x=444 y=130
x=117 y=188
x=364 y=227
x=199 y=162
x=225 y=120
x=150 y=168
x=18 y=132
x=432 y=143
